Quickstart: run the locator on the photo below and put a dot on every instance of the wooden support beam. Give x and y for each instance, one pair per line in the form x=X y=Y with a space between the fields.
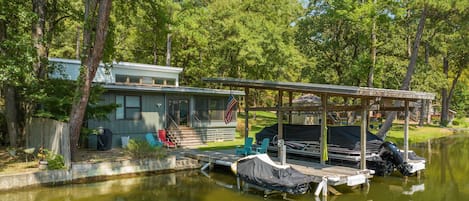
x=364 y=116
x=406 y=131
x=281 y=150
x=246 y=113
x=329 y=107
x=290 y=104
x=323 y=138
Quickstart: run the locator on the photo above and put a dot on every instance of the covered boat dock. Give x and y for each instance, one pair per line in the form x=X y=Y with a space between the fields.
x=368 y=99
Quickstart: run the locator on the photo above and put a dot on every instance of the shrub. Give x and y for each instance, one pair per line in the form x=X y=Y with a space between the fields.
x=55 y=162
x=141 y=149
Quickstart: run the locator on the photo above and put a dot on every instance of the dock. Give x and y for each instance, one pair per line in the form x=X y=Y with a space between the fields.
x=333 y=175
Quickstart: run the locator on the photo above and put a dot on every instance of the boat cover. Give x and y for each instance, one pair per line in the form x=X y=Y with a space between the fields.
x=344 y=136
x=261 y=171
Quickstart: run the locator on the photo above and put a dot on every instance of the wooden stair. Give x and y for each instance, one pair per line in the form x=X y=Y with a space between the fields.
x=184 y=136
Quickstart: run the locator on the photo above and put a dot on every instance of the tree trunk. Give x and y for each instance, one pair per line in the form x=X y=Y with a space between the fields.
x=94 y=52
x=372 y=52
x=410 y=71
x=168 y=49
x=445 y=113
x=38 y=31
x=77 y=51
x=444 y=95
x=423 y=106
x=11 y=114
x=155 y=53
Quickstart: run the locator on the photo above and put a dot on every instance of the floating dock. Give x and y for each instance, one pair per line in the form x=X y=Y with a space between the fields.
x=333 y=175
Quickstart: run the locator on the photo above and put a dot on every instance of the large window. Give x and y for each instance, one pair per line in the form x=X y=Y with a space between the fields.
x=130 y=107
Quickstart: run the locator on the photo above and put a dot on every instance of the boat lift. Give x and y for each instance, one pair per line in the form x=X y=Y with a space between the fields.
x=366 y=96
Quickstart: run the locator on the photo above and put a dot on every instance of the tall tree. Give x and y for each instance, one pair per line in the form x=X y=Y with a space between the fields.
x=455 y=58
x=96 y=22
x=15 y=60
x=410 y=71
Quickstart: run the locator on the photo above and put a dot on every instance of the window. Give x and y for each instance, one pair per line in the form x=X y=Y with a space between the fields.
x=158 y=81
x=171 y=82
x=128 y=79
x=130 y=107
x=121 y=78
x=134 y=79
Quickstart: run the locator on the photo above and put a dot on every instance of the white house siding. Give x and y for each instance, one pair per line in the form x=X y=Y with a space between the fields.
x=71 y=68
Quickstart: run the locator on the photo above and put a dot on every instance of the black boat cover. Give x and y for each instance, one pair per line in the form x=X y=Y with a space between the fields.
x=261 y=171
x=344 y=136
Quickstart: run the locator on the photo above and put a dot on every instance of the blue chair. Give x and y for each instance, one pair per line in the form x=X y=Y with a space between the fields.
x=246 y=149
x=151 y=140
x=263 y=148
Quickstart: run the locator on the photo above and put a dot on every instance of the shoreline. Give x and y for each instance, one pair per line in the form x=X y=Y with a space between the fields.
x=80 y=172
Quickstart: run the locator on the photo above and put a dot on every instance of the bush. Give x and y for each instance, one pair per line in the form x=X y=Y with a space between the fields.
x=55 y=162
x=141 y=149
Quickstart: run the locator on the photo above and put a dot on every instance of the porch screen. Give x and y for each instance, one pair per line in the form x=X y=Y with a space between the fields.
x=211 y=108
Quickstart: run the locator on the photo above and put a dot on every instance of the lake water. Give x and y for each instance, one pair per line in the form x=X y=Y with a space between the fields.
x=445 y=179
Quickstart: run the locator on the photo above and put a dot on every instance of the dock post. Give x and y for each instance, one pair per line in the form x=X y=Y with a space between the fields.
x=406 y=131
x=322 y=187
x=364 y=128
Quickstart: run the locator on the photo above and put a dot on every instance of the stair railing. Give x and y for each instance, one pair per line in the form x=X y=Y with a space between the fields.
x=172 y=128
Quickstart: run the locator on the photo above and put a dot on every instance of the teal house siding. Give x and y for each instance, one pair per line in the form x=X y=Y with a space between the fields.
x=152 y=118
x=161 y=102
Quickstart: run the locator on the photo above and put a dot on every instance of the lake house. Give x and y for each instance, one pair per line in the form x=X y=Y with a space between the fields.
x=152 y=100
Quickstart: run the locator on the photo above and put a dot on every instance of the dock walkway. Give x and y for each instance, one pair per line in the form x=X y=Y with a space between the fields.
x=335 y=175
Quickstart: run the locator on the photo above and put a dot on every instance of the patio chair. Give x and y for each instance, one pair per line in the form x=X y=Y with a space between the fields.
x=263 y=148
x=246 y=149
x=152 y=141
x=166 y=142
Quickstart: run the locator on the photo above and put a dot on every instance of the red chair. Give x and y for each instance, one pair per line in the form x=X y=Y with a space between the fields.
x=166 y=142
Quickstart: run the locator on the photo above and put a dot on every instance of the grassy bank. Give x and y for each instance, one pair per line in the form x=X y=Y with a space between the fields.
x=262 y=119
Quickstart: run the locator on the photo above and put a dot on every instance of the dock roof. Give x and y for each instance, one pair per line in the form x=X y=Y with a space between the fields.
x=336 y=90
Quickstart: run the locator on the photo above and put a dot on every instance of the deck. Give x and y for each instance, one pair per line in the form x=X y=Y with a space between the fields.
x=335 y=175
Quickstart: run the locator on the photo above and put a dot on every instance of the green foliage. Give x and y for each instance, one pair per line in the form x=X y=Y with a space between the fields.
x=56 y=101
x=55 y=162
x=141 y=149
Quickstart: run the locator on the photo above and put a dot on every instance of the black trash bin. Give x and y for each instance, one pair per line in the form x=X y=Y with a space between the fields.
x=105 y=140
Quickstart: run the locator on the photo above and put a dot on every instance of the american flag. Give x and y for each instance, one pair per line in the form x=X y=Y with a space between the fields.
x=229 y=109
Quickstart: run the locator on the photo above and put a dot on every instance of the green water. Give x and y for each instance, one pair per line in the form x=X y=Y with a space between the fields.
x=445 y=179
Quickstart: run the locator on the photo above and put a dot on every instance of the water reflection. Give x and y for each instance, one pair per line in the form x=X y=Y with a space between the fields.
x=445 y=179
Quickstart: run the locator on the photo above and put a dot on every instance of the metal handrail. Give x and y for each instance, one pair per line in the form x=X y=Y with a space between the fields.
x=172 y=121
x=196 y=118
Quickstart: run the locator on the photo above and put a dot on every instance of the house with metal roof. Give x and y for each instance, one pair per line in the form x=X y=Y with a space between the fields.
x=152 y=100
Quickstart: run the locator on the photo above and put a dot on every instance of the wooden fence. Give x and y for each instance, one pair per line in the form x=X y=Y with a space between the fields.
x=50 y=134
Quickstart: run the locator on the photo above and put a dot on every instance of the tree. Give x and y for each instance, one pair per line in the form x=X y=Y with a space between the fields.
x=96 y=22
x=410 y=71
x=15 y=60
x=456 y=55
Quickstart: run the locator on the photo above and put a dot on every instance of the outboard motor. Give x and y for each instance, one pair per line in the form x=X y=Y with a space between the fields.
x=390 y=152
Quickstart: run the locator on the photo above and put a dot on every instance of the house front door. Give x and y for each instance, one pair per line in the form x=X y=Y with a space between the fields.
x=178 y=111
